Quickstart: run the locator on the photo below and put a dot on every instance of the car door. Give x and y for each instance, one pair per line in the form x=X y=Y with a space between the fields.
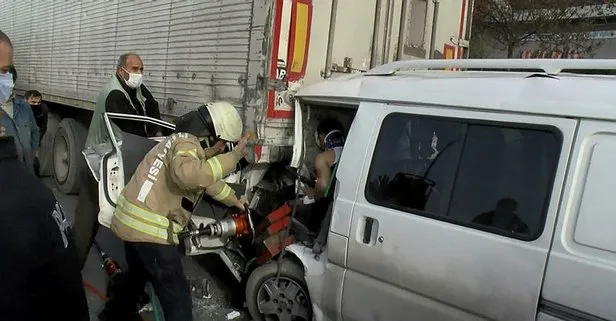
x=113 y=162
x=580 y=278
x=453 y=214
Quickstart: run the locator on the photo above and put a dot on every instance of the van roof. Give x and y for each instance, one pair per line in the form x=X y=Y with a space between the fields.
x=545 y=91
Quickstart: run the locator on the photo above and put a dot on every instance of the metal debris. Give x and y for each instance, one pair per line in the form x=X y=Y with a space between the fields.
x=232 y=315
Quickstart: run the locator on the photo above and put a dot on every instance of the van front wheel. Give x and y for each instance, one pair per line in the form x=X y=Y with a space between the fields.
x=283 y=299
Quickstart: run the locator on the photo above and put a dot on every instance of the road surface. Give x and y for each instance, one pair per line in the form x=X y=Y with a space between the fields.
x=216 y=308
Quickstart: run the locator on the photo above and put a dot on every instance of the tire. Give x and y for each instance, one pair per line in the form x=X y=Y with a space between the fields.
x=46 y=150
x=68 y=161
x=277 y=299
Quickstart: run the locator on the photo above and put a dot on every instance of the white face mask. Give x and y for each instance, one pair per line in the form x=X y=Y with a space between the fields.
x=134 y=80
x=6 y=86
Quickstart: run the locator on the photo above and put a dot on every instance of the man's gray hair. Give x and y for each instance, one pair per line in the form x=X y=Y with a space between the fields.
x=5 y=38
x=124 y=57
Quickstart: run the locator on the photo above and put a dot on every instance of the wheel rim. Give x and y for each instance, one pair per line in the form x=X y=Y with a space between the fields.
x=285 y=300
x=61 y=159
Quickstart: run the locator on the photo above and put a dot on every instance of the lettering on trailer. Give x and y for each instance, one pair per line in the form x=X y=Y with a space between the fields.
x=279 y=101
x=154 y=169
x=281 y=70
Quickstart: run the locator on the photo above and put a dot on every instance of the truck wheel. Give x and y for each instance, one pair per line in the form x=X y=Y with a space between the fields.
x=68 y=162
x=46 y=150
x=284 y=300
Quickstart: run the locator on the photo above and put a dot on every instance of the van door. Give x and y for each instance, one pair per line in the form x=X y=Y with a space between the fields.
x=580 y=280
x=453 y=215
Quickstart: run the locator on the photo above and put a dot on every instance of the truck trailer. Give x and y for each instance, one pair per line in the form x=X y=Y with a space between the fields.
x=252 y=53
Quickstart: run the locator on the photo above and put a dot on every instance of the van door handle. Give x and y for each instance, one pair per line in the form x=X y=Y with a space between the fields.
x=370 y=228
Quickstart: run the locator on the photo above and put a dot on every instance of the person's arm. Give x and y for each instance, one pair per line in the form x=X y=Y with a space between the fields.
x=151 y=110
x=191 y=173
x=34 y=132
x=118 y=103
x=151 y=105
x=322 y=167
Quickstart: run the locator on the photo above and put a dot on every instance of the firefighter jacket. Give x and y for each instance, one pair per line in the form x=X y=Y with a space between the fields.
x=149 y=209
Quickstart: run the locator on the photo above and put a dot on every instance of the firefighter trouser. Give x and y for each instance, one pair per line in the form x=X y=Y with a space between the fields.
x=85 y=223
x=162 y=266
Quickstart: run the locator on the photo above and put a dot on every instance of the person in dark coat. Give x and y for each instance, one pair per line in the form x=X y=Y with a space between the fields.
x=35 y=99
x=42 y=277
x=123 y=93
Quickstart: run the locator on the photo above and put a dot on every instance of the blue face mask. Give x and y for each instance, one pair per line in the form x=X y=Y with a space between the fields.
x=6 y=86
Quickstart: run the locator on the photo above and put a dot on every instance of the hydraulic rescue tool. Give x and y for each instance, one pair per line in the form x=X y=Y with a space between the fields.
x=236 y=225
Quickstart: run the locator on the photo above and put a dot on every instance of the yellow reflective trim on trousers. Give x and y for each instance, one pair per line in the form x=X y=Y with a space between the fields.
x=149 y=217
x=139 y=226
x=216 y=168
x=224 y=193
x=192 y=152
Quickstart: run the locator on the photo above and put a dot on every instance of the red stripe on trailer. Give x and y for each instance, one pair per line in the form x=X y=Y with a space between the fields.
x=461 y=31
x=276 y=38
x=271 y=94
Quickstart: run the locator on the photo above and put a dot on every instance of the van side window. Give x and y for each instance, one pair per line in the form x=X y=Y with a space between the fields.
x=490 y=176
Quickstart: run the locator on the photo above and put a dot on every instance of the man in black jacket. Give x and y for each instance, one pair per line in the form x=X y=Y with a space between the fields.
x=41 y=275
x=124 y=93
x=34 y=98
x=41 y=278
x=129 y=74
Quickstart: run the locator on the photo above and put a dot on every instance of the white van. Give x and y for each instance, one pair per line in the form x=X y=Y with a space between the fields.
x=469 y=195
x=460 y=195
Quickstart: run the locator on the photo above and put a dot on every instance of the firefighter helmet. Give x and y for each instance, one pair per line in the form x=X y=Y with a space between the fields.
x=226 y=121
x=219 y=120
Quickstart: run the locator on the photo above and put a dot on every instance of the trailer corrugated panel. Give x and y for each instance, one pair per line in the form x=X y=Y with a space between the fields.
x=143 y=27
x=207 y=51
x=193 y=51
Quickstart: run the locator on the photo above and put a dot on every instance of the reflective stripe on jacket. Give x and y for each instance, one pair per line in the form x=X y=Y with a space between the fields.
x=146 y=222
x=174 y=169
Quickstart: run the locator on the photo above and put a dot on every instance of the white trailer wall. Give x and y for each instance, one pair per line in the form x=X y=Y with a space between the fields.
x=193 y=51
x=355 y=28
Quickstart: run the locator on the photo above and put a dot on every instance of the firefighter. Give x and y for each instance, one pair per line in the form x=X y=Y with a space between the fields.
x=149 y=213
